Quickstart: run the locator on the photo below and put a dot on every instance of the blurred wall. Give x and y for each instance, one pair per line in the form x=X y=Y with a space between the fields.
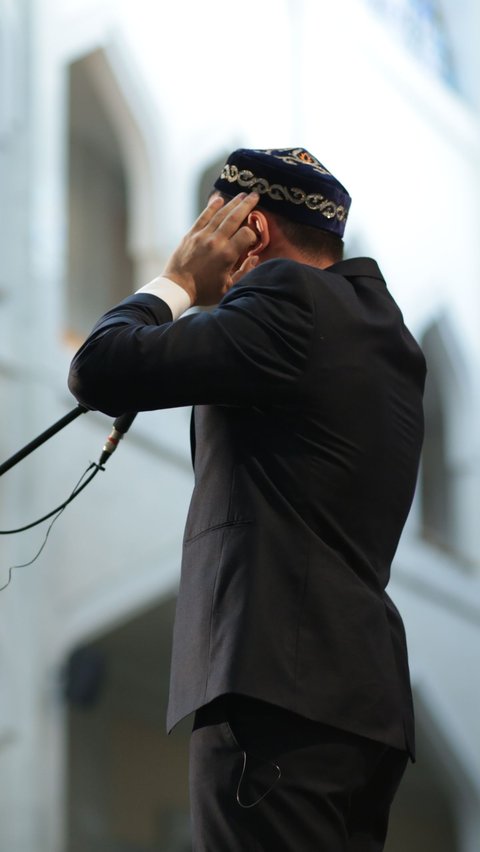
x=162 y=97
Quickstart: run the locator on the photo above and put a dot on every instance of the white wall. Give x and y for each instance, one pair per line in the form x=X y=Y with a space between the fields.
x=408 y=152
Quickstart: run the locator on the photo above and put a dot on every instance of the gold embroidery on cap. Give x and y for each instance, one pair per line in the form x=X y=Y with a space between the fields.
x=314 y=201
x=295 y=157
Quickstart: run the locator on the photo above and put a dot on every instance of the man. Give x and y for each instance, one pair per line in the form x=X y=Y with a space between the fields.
x=308 y=427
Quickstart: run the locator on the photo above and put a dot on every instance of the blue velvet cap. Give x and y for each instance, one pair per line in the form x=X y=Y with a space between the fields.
x=291 y=183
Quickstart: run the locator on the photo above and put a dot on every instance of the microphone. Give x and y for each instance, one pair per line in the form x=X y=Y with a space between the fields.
x=120 y=427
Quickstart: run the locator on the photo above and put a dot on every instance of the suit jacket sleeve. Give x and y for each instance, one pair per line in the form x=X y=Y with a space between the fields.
x=255 y=343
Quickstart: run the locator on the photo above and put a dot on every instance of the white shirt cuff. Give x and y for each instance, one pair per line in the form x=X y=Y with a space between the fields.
x=175 y=296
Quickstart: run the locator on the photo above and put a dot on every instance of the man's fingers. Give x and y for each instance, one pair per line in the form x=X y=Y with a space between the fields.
x=228 y=219
x=248 y=264
x=225 y=217
x=213 y=206
x=242 y=241
x=203 y=262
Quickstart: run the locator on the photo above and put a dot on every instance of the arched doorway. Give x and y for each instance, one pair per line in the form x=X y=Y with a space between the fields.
x=100 y=269
x=127 y=781
x=113 y=188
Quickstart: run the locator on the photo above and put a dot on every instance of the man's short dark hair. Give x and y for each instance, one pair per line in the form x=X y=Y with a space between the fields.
x=314 y=243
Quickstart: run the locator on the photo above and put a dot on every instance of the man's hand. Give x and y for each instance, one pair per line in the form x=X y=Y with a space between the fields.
x=204 y=262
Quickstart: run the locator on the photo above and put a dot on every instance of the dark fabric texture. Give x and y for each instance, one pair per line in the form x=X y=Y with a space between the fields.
x=308 y=427
x=263 y=779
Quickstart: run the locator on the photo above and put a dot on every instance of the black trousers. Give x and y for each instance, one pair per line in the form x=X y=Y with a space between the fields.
x=263 y=779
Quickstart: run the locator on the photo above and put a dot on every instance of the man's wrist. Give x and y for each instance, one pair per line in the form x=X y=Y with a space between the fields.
x=186 y=282
x=174 y=294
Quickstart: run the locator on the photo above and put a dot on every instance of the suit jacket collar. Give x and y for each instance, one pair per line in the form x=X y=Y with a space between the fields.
x=357 y=267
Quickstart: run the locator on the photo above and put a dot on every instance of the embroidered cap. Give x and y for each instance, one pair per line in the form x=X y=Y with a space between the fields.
x=291 y=182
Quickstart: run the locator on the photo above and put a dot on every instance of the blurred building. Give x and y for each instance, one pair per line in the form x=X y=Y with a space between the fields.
x=113 y=118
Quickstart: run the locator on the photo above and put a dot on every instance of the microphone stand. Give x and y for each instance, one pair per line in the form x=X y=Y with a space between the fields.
x=37 y=442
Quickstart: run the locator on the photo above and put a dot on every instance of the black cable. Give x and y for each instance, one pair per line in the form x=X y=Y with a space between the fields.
x=45 y=436
x=56 y=512
x=76 y=491
x=120 y=426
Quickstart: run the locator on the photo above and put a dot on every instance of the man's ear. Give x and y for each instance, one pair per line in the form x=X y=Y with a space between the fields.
x=258 y=222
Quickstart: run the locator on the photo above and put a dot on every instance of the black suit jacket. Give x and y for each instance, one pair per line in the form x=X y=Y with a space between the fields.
x=308 y=421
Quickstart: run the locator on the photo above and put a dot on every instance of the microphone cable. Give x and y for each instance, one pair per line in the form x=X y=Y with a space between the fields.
x=120 y=426
x=56 y=512
x=76 y=491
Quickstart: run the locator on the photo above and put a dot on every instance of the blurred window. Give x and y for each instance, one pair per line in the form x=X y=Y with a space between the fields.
x=436 y=476
x=442 y=477
x=421 y=26
x=100 y=270
x=207 y=179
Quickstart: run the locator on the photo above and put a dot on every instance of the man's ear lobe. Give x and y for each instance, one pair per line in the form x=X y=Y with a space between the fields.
x=259 y=224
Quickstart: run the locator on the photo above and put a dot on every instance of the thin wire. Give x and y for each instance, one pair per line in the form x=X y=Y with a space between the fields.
x=63 y=505
x=57 y=512
x=263 y=796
